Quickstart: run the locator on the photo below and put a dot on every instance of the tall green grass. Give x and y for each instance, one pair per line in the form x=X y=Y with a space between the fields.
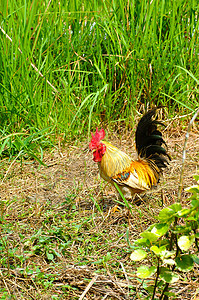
x=103 y=58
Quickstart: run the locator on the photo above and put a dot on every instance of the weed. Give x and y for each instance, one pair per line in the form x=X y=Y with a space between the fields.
x=170 y=245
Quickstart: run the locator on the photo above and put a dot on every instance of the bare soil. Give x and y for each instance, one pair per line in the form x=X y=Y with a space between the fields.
x=32 y=194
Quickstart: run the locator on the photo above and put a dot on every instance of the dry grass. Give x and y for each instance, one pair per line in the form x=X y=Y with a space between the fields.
x=92 y=243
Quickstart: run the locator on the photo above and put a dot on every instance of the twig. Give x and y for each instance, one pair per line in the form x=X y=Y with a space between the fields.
x=88 y=287
x=5 y=283
x=123 y=269
x=184 y=154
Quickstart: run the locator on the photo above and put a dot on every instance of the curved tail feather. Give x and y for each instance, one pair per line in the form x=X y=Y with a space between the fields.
x=149 y=141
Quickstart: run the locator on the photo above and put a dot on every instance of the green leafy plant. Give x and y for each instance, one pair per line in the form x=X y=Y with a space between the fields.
x=170 y=245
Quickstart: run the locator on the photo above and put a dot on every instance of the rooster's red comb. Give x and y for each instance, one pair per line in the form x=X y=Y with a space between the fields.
x=99 y=135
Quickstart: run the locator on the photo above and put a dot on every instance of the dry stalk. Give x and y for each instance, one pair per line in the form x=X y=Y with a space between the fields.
x=88 y=287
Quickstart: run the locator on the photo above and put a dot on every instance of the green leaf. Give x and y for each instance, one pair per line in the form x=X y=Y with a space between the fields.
x=138 y=255
x=169 y=261
x=36 y=157
x=56 y=253
x=148 y=288
x=170 y=295
x=176 y=207
x=183 y=212
x=145 y=272
x=164 y=241
x=185 y=242
x=150 y=236
x=4 y=144
x=184 y=263
x=160 y=229
x=193 y=189
x=182 y=229
x=193 y=218
x=195 y=203
x=195 y=258
x=166 y=214
x=168 y=276
x=167 y=253
x=142 y=242
x=196 y=177
x=158 y=250
x=50 y=256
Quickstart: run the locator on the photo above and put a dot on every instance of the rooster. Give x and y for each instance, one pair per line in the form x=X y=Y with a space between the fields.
x=133 y=176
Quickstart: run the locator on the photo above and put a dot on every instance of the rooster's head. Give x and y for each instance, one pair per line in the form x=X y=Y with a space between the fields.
x=96 y=146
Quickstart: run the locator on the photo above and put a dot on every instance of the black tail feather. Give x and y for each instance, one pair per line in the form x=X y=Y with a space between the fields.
x=149 y=141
